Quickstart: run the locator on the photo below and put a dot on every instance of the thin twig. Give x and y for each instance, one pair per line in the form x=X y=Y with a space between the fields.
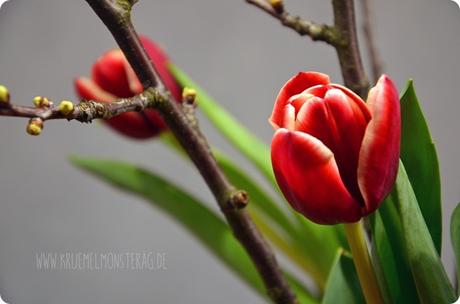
x=315 y=31
x=374 y=56
x=342 y=36
x=116 y=16
x=88 y=110
x=348 y=51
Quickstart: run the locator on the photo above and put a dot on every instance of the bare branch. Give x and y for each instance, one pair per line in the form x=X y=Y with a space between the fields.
x=317 y=32
x=348 y=51
x=342 y=36
x=374 y=56
x=87 y=110
x=117 y=20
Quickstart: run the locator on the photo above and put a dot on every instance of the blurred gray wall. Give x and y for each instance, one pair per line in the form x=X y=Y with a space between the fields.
x=242 y=57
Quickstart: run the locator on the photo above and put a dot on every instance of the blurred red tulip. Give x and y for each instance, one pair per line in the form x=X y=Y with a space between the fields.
x=112 y=77
x=335 y=157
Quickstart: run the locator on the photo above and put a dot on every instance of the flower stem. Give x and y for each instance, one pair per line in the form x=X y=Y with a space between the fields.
x=362 y=260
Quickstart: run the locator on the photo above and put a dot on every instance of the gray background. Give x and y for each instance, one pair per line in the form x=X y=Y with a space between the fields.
x=242 y=57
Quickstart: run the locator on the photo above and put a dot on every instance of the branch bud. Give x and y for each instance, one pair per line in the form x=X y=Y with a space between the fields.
x=277 y=5
x=41 y=102
x=35 y=126
x=189 y=95
x=66 y=107
x=239 y=199
x=4 y=95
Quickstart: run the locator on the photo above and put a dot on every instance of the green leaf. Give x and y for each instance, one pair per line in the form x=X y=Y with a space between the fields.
x=455 y=238
x=387 y=248
x=343 y=283
x=376 y=255
x=255 y=150
x=418 y=154
x=202 y=223
x=303 y=294
x=431 y=281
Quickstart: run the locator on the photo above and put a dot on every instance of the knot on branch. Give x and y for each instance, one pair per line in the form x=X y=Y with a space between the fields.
x=340 y=40
x=126 y=5
x=237 y=199
x=88 y=110
x=155 y=98
x=123 y=9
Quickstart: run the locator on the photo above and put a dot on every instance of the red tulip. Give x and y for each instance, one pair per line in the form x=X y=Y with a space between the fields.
x=112 y=77
x=335 y=157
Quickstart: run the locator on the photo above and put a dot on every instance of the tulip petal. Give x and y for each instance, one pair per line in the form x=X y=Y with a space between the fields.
x=312 y=118
x=308 y=176
x=160 y=62
x=109 y=72
x=131 y=124
x=135 y=86
x=294 y=86
x=339 y=123
x=379 y=155
x=113 y=77
x=348 y=123
x=88 y=89
x=355 y=97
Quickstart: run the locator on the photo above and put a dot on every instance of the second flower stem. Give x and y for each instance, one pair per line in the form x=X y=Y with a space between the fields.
x=362 y=261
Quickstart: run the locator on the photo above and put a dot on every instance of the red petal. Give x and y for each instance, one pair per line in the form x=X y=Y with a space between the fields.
x=88 y=89
x=135 y=86
x=379 y=155
x=155 y=120
x=307 y=174
x=339 y=123
x=294 y=86
x=312 y=119
x=160 y=60
x=134 y=125
x=355 y=97
x=113 y=78
x=109 y=72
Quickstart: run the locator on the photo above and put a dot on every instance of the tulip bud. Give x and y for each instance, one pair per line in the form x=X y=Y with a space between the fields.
x=4 y=95
x=35 y=126
x=334 y=156
x=112 y=78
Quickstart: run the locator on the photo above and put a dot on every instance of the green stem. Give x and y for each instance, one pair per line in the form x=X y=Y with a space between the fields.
x=362 y=260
